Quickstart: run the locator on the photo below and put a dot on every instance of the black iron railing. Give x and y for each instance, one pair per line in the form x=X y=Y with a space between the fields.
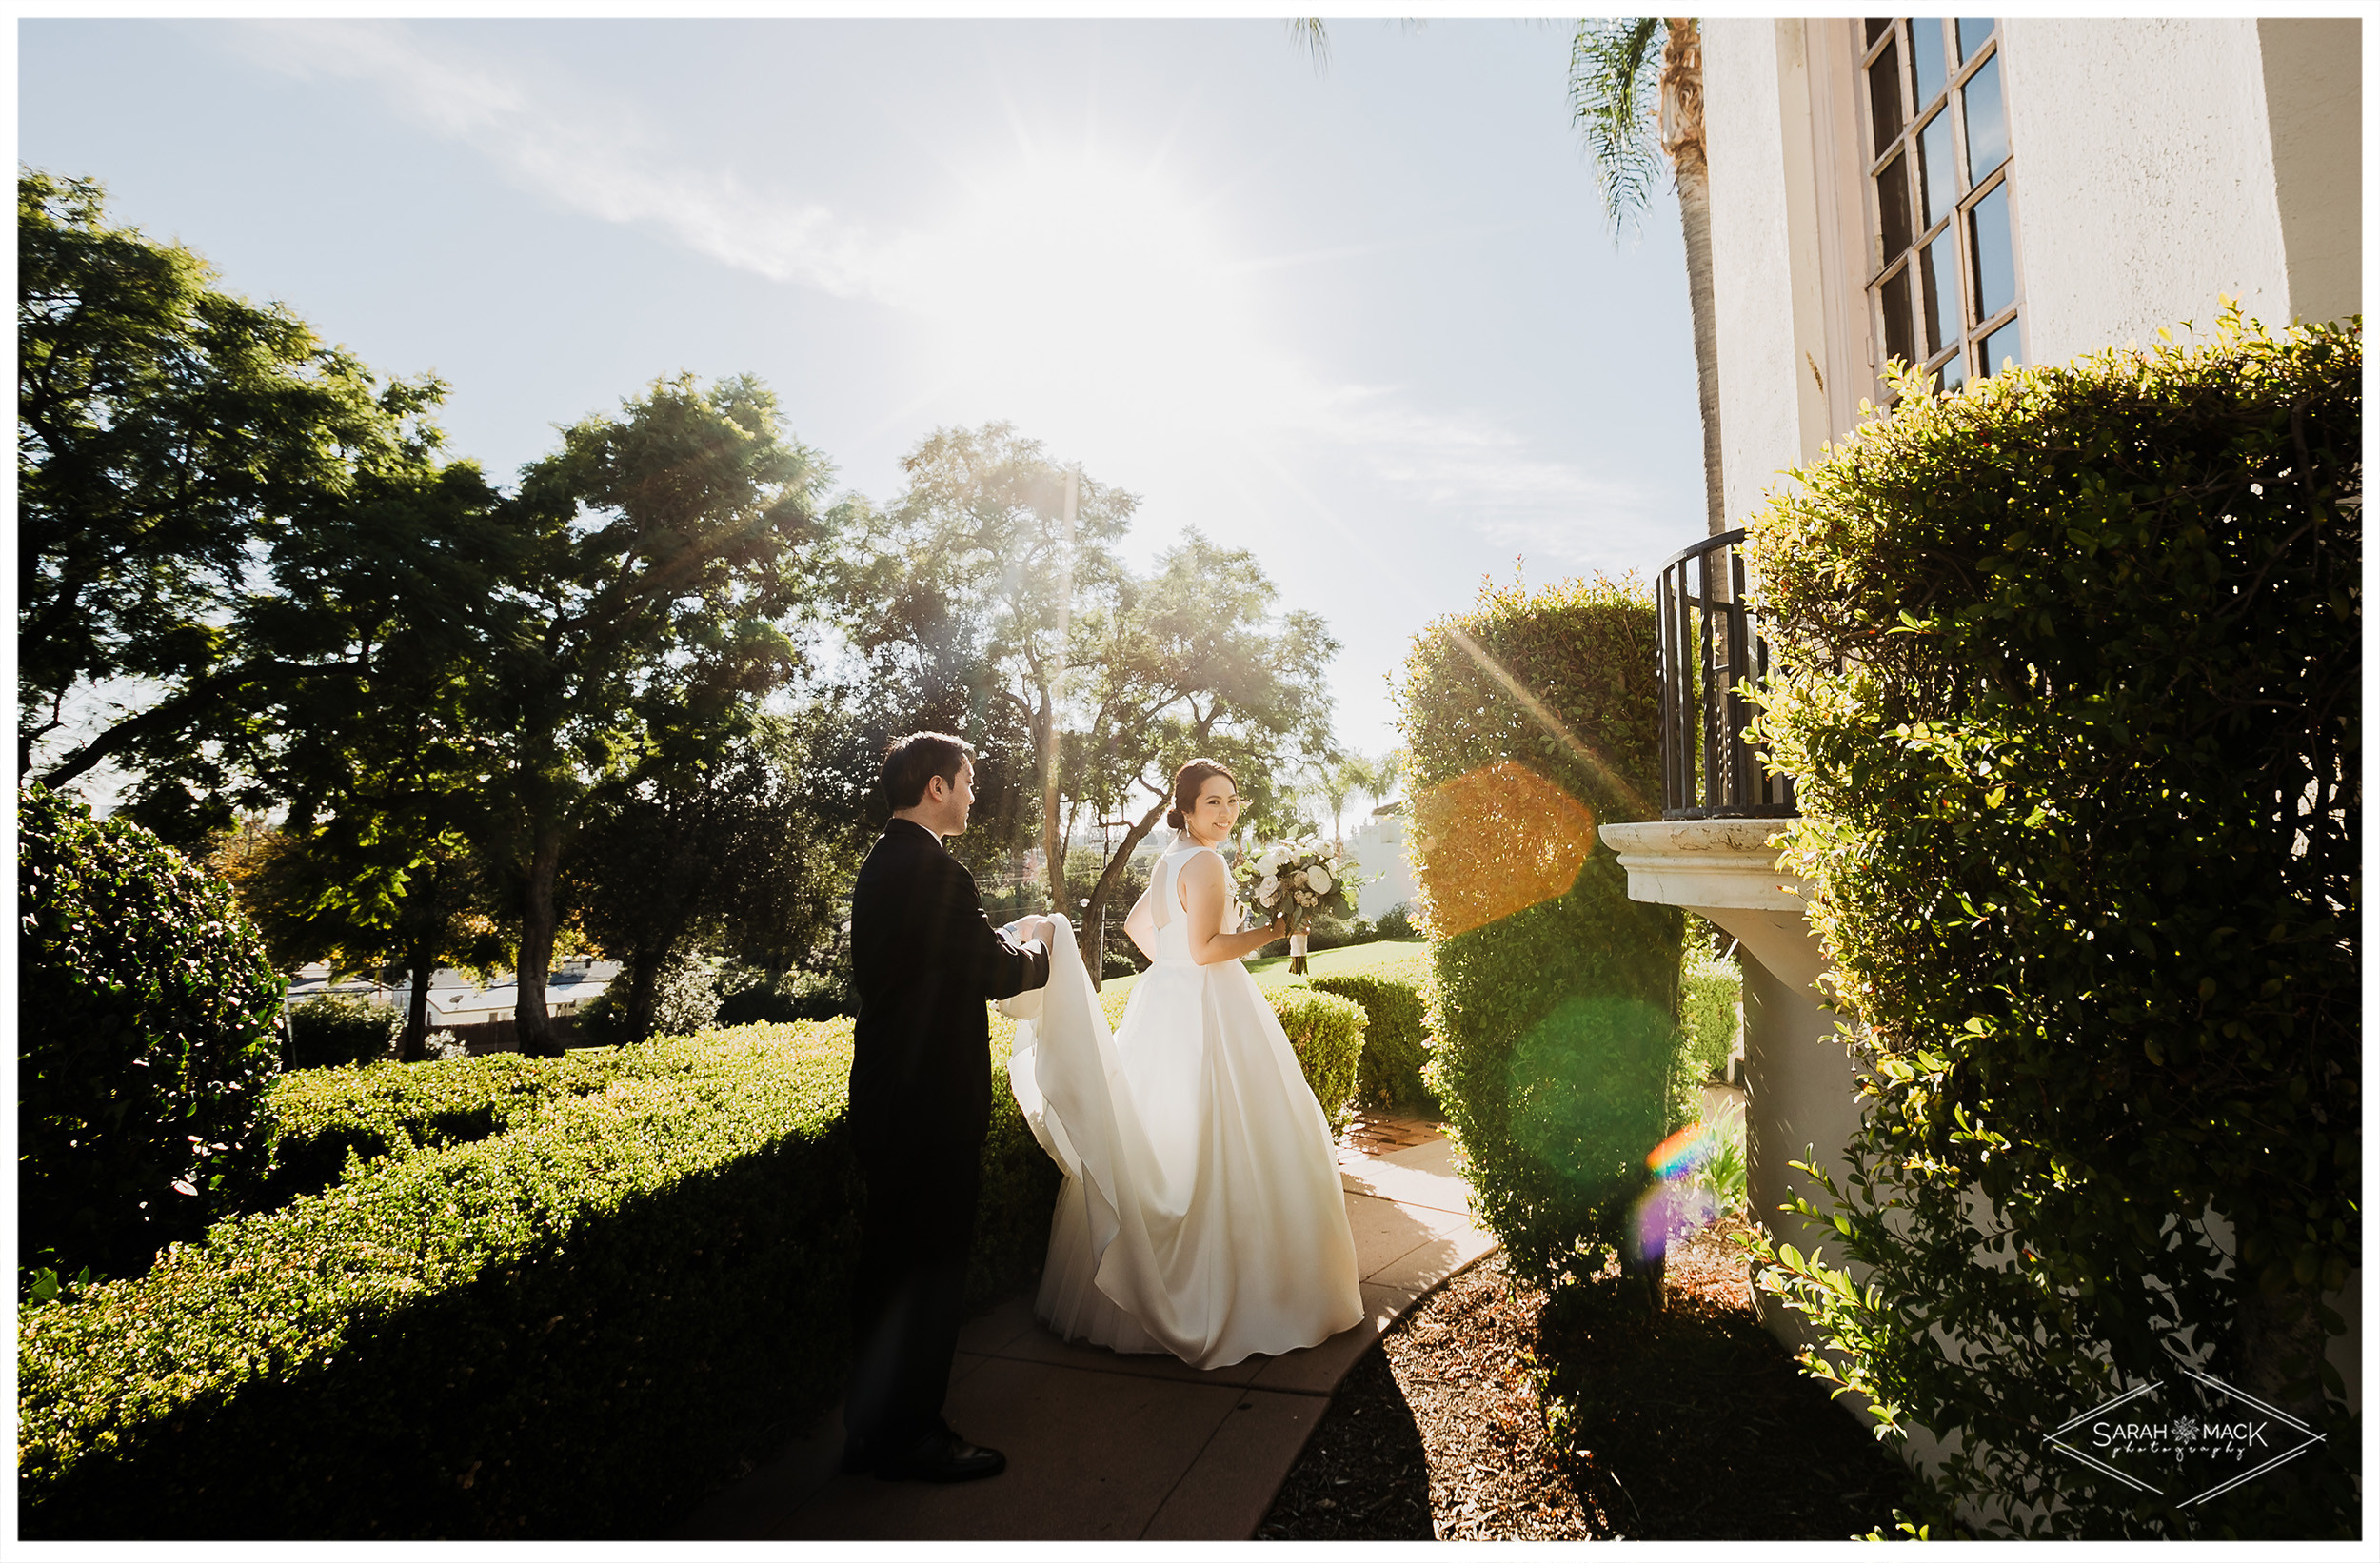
x=1709 y=644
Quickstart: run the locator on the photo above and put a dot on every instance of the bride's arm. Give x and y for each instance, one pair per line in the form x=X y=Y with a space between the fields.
x=1140 y=922
x=1208 y=891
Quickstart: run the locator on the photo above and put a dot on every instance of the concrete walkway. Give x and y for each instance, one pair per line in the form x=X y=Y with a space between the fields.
x=1103 y=1447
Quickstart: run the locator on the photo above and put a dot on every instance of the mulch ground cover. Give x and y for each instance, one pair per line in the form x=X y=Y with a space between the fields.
x=1692 y=1424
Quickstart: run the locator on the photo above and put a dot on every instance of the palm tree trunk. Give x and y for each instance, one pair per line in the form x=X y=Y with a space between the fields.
x=1683 y=139
x=1694 y=213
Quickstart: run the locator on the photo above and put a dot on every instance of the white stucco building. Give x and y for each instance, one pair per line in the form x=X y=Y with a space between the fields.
x=1958 y=193
x=1377 y=847
x=2047 y=186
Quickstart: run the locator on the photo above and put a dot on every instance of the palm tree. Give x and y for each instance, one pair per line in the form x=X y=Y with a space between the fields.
x=1635 y=94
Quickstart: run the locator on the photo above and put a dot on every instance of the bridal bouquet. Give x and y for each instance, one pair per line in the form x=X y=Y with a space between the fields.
x=1299 y=878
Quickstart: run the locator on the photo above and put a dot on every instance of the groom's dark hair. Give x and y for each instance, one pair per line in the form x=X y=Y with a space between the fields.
x=910 y=763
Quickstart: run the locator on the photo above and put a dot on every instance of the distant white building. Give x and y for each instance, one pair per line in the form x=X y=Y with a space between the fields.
x=1379 y=850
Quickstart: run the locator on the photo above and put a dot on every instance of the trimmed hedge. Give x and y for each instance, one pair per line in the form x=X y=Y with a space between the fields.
x=1710 y=989
x=1531 y=720
x=573 y=1328
x=316 y=1118
x=337 y=1029
x=1395 y=1034
x=145 y=1015
x=1326 y=1032
x=2082 y=817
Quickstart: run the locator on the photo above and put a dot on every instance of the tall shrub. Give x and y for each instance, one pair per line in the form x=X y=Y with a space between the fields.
x=339 y=1029
x=2082 y=815
x=1532 y=720
x=145 y=1037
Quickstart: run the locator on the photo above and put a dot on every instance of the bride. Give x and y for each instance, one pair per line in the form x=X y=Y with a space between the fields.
x=1202 y=1213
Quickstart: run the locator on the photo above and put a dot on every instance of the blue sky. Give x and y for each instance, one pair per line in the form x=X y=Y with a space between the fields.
x=1368 y=324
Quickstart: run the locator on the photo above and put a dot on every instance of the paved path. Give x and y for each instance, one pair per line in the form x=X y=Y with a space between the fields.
x=1102 y=1447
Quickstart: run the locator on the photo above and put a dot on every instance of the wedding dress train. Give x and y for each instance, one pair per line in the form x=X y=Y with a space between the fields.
x=1203 y=1212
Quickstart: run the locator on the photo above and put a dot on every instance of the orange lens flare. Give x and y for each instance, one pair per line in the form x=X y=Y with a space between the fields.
x=1492 y=843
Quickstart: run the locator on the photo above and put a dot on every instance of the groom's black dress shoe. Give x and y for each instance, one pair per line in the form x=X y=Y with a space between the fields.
x=938 y=1456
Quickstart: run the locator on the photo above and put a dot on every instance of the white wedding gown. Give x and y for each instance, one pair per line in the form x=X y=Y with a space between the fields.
x=1203 y=1212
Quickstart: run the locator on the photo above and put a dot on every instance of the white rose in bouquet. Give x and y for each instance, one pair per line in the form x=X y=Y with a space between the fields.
x=1303 y=879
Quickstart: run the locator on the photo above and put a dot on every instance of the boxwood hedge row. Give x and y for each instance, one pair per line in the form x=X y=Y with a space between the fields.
x=316 y=1118
x=573 y=1328
x=1395 y=1034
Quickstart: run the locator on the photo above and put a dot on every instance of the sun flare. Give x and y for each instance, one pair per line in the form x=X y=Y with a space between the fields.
x=1081 y=278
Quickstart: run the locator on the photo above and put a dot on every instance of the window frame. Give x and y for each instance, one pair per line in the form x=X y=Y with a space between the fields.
x=1965 y=346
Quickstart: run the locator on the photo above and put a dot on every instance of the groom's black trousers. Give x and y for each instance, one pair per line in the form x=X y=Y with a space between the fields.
x=910 y=1296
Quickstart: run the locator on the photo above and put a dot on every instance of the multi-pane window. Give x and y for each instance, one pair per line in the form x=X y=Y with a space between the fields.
x=1942 y=252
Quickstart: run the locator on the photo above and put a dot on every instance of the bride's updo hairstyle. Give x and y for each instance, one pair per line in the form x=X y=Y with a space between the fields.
x=1188 y=782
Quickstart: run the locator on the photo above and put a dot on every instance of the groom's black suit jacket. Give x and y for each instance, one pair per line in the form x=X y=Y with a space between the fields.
x=924 y=959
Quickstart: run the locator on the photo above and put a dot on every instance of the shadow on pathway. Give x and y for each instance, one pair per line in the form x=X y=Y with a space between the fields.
x=1106 y=1447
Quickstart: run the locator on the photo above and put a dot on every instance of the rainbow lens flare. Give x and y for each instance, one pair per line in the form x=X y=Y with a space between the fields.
x=1674 y=1206
x=1686 y=1151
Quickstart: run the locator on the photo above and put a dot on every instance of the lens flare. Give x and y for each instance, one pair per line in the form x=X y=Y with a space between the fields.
x=1495 y=842
x=1679 y=1202
x=1689 y=1150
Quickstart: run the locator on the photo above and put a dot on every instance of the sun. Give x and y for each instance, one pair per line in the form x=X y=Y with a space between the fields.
x=1080 y=272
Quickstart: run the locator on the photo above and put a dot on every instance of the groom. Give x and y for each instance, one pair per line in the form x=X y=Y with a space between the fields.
x=924 y=959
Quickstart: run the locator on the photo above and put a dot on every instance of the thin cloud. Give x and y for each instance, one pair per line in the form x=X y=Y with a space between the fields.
x=603 y=159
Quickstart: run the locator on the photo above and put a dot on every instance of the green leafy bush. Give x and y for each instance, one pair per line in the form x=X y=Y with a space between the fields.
x=337 y=1029
x=1396 y=922
x=1711 y=988
x=2082 y=812
x=1395 y=1034
x=1326 y=1032
x=144 y=1013
x=753 y=996
x=315 y=1119
x=1530 y=721
x=686 y=999
x=571 y=1328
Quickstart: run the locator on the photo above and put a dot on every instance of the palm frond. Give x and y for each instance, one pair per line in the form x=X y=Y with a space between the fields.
x=1615 y=68
x=1311 y=34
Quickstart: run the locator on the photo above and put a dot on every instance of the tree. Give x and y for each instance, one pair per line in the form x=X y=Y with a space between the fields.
x=1631 y=108
x=1196 y=662
x=660 y=556
x=168 y=432
x=991 y=562
x=727 y=851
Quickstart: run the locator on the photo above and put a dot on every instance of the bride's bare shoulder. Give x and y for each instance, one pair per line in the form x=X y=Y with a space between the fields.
x=1204 y=864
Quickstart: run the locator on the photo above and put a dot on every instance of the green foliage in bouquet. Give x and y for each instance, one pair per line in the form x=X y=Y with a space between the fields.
x=145 y=1014
x=1531 y=719
x=1395 y=1035
x=573 y=1327
x=337 y=1029
x=2073 y=699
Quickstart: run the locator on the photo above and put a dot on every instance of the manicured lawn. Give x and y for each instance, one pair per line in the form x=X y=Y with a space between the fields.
x=1273 y=972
